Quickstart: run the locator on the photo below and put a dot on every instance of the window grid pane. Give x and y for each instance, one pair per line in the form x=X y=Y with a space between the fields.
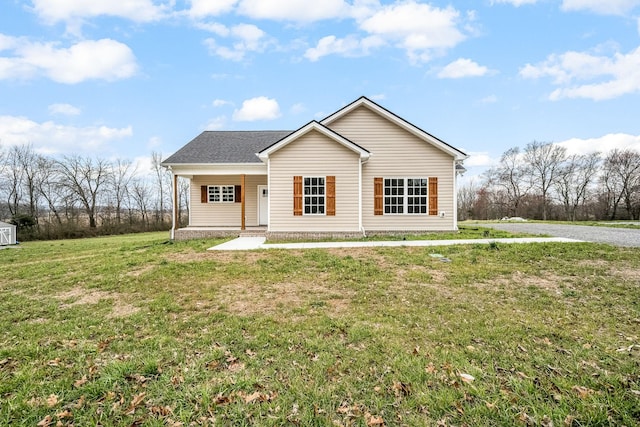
x=417 y=192
x=394 y=195
x=314 y=195
x=222 y=193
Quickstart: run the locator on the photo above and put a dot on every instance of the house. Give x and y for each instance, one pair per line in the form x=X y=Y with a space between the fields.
x=7 y=234
x=361 y=170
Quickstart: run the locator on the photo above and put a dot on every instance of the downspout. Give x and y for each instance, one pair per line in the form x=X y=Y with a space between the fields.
x=268 y=194
x=360 y=225
x=455 y=197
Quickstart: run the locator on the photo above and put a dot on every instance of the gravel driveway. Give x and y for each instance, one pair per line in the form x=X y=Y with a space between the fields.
x=610 y=235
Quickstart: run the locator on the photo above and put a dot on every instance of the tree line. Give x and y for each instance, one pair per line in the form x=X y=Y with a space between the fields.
x=50 y=197
x=543 y=181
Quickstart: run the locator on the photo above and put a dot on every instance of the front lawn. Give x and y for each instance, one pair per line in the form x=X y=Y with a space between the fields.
x=134 y=330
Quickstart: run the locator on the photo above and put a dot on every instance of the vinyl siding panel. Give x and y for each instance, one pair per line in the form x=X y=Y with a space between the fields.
x=312 y=155
x=396 y=153
x=225 y=214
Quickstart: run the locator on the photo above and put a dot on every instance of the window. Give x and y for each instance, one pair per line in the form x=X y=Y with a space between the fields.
x=314 y=195
x=394 y=196
x=403 y=195
x=417 y=195
x=221 y=193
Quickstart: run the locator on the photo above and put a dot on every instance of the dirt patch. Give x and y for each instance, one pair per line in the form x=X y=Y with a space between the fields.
x=140 y=271
x=82 y=296
x=222 y=256
x=631 y=274
x=250 y=298
x=551 y=283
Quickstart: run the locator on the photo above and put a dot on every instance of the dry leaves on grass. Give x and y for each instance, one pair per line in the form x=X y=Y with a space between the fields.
x=135 y=402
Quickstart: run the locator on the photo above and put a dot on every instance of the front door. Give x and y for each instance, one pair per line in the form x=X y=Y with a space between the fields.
x=263 y=205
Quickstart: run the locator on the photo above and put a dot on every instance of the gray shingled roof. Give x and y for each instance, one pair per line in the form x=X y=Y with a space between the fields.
x=226 y=147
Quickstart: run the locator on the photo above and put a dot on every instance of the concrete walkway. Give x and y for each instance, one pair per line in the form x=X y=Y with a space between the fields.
x=249 y=243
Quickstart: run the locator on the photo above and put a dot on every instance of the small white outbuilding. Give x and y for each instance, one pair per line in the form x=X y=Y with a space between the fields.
x=7 y=234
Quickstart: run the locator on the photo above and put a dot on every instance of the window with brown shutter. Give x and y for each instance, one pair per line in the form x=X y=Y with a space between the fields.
x=204 y=194
x=378 y=205
x=433 y=196
x=238 y=193
x=331 y=195
x=297 y=195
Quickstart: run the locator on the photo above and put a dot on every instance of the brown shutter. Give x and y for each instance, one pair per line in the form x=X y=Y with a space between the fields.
x=204 y=194
x=297 y=195
x=331 y=195
x=433 y=196
x=238 y=193
x=378 y=190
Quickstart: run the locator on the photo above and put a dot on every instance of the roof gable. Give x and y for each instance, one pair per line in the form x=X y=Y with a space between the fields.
x=399 y=121
x=311 y=126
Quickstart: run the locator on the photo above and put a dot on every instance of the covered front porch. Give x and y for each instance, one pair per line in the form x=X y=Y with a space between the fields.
x=223 y=204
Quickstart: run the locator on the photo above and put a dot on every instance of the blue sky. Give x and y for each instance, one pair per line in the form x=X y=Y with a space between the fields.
x=124 y=78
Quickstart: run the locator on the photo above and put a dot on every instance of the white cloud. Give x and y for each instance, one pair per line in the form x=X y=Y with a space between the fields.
x=62 y=10
x=248 y=38
x=516 y=3
x=293 y=10
x=462 y=68
x=349 y=46
x=603 y=144
x=298 y=108
x=74 y=12
x=52 y=138
x=104 y=59
x=479 y=159
x=220 y=103
x=203 y=8
x=604 y=7
x=216 y=123
x=259 y=108
x=378 y=97
x=583 y=75
x=419 y=28
x=64 y=110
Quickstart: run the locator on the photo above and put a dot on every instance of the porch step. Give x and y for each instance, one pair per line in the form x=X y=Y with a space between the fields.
x=253 y=233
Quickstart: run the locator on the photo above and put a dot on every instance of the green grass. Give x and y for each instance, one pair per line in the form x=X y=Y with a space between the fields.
x=133 y=330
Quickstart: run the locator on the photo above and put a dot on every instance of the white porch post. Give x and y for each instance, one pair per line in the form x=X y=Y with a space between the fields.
x=174 y=216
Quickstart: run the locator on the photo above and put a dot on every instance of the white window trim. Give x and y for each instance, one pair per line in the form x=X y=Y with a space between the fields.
x=324 y=196
x=405 y=196
x=221 y=193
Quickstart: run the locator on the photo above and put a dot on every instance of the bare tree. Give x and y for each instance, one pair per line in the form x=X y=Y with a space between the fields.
x=574 y=179
x=163 y=185
x=120 y=178
x=13 y=180
x=621 y=178
x=545 y=160
x=85 y=177
x=513 y=177
x=48 y=185
x=27 y=160
x=467 y=197
x=141 y=193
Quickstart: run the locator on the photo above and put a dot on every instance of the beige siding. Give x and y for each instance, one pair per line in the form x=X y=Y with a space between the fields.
x=224 y=214
x=313 y=154
x=397 y=153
